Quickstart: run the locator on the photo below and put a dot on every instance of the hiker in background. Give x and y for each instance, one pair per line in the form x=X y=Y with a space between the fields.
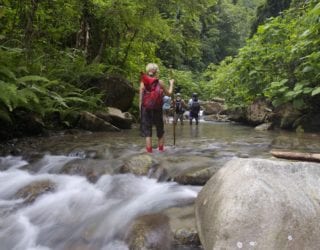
x=150 y=102
x=179 y=108
x=166 y=108
x=194 y=108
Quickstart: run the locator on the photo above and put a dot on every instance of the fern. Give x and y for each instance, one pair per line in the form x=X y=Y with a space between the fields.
x=7 y=73
x=8 y=95
x=32 y=78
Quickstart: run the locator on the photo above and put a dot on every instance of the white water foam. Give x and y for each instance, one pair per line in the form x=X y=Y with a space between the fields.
x=78 y=211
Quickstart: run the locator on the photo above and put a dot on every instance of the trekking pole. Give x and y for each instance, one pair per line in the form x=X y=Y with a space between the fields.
x=174 y=126
x=174 y=123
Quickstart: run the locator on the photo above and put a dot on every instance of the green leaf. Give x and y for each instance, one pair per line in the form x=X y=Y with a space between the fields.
x=32 y=78
x=298 y=87
x=307 y=90
x=283 y=89
x=306 y=33
x=316 y=91
x=276 y=84
x=75 y=99
x=307 y=69
x=283 y=81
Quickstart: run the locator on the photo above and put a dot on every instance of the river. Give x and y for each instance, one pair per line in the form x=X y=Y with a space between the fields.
x=78 y=213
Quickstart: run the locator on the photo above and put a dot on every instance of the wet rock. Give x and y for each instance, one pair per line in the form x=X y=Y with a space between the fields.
x=190 y=169
x=182 y=223
x=264 y=127
x=31 y=192
x=138 y=165
x=91 y=122
x=150 y=232
x=212 y=108
x=117 y=118
x=194 y=177
x=86 y=167
x=263 y=204
x=159 y=173
x=187 y=237
x=217 y=118
x=258 y=112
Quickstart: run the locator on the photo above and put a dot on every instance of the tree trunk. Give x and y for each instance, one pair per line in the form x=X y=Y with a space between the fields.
x=102 y=47
x=83 y=35
x=29 y=28
x=296 y=156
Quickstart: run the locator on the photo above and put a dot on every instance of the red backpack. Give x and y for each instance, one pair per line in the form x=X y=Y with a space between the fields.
x=152 y=95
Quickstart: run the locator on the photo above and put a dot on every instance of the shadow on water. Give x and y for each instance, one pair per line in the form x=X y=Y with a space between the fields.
x=96 y=215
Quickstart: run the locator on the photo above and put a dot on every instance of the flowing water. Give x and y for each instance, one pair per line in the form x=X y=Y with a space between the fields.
x=80 y=214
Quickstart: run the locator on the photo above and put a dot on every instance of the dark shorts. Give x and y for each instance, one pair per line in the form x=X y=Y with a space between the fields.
x=193 y=115
x=150 y=118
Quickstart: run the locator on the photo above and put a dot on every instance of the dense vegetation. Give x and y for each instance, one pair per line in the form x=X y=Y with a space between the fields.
x=280 y=62
x=49 y=50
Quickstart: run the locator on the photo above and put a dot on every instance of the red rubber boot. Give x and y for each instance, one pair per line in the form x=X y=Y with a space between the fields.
x=161 y=148
x=149 y=149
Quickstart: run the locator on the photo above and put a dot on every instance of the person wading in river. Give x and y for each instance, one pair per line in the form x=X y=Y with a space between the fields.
x=179 y=109
x=194 y=107
x=151 y=93
x=166 y=108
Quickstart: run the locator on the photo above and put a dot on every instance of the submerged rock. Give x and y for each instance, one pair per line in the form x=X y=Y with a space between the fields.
x=194 y=177
x=137 y=165
x=150 y=232
x=183 y=226
x=32 y=191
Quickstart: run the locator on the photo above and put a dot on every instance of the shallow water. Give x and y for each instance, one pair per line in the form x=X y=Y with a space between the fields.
x=79 y=213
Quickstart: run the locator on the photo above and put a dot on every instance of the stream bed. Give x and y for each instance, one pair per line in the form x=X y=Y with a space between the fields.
x=94 y=209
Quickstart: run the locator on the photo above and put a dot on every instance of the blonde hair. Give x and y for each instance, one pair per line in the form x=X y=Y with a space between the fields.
x=152 y=67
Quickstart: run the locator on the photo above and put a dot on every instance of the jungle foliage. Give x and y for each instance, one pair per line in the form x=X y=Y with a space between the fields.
x=49 y=49
x=281 y=62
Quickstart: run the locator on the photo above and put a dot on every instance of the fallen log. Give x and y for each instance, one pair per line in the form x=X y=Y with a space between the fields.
x=296 y=155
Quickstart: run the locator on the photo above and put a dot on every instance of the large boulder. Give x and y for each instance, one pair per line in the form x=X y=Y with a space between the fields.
x=258 y=112
x=261 y=204
x=91 y=122
x=119 y=92
x=212 y=108
x=116 y=117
